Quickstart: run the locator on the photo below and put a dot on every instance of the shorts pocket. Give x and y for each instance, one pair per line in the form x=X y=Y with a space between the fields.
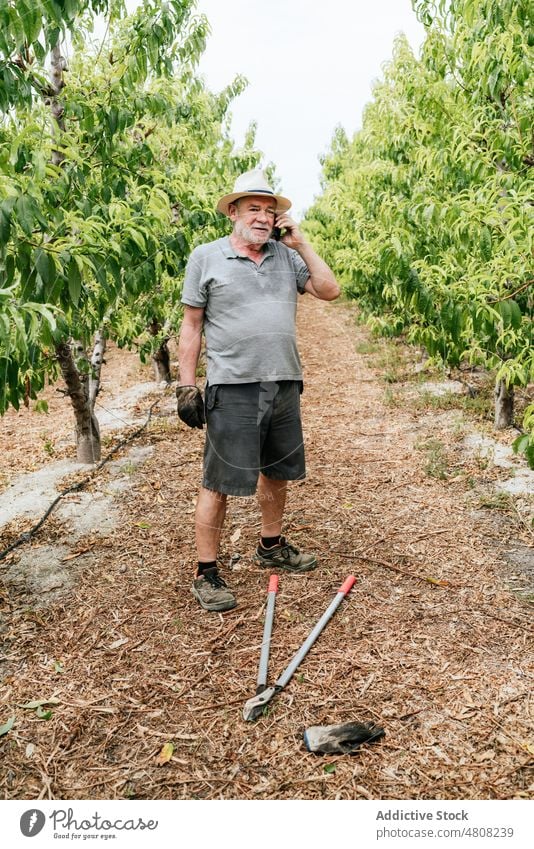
x=210 y=397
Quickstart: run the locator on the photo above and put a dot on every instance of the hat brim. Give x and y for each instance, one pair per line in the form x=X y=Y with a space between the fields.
x=282 y=203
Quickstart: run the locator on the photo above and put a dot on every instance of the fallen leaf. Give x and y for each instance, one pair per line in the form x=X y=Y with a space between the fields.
x=43 y=714
x=38 y=703
x=235 y=536
x=75 y=555
x=30 y=749
x=118 y=643
x=438 y=583
x=143 y=525
x=165 y=754
x=487 y=755
x=7 y=727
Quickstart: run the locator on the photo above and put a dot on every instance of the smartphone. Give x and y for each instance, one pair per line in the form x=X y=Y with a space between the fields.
x=277 y=233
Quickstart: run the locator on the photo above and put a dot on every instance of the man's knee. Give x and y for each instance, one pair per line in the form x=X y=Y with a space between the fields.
x=213 y=493
x=271 y=483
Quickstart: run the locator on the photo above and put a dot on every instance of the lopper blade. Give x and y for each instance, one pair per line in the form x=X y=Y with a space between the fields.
x=254 y=707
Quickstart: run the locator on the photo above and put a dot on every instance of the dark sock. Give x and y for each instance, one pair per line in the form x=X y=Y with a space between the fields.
x=201 y=568
x=268 y=542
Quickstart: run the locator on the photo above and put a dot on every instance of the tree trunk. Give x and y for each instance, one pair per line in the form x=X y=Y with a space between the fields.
x=504 y=405
x=58 y=64
x=161 y=359
x=97 y=360
x=88 y=449
x=82 y=389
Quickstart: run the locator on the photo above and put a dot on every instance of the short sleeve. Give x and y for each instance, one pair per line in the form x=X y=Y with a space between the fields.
x=302 y=274
x=194 y=291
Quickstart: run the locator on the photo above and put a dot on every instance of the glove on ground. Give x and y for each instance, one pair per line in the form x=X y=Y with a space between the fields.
x=341 y=739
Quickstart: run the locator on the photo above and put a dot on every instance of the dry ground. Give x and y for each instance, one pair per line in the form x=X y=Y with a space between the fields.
x=432 y=642
x=29 y=439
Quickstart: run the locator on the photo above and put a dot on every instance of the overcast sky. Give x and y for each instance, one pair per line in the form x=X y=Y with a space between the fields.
x=310 y=67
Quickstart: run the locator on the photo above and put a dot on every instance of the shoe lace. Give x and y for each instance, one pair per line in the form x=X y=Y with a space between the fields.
x=214 y=579
x=286 y=548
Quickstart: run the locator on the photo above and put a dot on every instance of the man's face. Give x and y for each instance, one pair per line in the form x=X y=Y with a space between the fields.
x=253 y=219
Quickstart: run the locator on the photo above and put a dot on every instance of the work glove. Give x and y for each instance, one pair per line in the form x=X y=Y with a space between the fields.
x=341 y=739
x=191 y=406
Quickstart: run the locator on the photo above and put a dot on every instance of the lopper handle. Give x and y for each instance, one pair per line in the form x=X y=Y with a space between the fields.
x=347 y=585
x=261 y=682
x=273 y=584
x=309 y=641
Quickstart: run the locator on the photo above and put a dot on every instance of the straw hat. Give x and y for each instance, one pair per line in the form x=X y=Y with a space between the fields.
x=249 y=184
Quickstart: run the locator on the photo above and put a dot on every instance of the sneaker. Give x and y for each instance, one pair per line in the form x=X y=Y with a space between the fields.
x=212 y=592
x=285 y=556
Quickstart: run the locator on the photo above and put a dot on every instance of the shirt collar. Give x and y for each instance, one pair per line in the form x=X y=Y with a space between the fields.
x=230 y=252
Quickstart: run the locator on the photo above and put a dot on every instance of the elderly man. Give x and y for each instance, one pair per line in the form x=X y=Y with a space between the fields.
x=241 y=291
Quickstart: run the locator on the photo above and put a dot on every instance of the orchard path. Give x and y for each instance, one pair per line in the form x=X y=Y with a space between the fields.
x=432 y=644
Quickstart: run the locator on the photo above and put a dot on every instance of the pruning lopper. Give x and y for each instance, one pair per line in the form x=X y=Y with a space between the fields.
x=254 y=707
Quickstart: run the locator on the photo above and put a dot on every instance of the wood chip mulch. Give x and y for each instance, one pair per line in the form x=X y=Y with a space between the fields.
x=432 y=644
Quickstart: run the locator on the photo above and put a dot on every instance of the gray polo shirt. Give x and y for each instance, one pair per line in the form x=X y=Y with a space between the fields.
x=250 y=310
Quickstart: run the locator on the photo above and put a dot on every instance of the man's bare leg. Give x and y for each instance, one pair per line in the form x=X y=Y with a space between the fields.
x=272 y=500
x=209 y=519
x=208 y=587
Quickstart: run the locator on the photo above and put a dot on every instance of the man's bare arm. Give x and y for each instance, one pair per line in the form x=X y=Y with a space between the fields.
x=189 y=344
x=321 y=283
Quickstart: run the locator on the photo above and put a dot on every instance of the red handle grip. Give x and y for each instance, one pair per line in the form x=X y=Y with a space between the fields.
x=347 y=585
x=273 y=584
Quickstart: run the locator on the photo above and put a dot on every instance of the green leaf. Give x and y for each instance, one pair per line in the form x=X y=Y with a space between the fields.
x=395 y=241
x=45 y=265
x=329 y=768
x=485 y=244
x=505 y=311
x=521 y=443
x=5 y=328
x=113 y=117
x=7 y=726
x=515 y=316
x=44 y=311
x=492 y=82
x=5 y=227
x=25 y=213
x=43 y=714
x=456 y=324
x=428 y=213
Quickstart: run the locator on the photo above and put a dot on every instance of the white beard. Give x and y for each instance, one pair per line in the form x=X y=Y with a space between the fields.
x=251 y=236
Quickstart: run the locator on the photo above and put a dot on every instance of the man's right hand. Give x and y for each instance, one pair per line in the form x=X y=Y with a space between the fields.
x=191 y=406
